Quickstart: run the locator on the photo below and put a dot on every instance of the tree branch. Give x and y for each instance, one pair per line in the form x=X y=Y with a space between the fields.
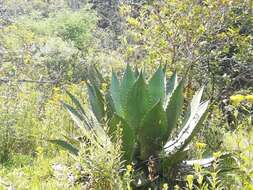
x=29 y=81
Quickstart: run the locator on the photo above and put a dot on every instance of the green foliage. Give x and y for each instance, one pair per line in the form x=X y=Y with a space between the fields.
x=139 y=132
x=100 y=167
x=14 y=137
x=239 y=142
x=35 y=175
x=142 y=116
x=209 y=40
x=74 y=26
x=37 y=54
x=56 y=45
x=29 y=120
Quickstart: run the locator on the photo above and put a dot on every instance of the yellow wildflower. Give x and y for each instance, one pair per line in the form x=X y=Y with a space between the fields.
x=133 y=22
x=249 y=98
x=200 y=145
x=176 y=187
x=129 y=168
x=165 y=186
x=27 y=58
x=57 y=90
x=249 y=186
x=217 y=154
x=124 y=10
x=104 y=86
x=189 y=179
x=201 y=29
x=39 y=150
x=236 y=99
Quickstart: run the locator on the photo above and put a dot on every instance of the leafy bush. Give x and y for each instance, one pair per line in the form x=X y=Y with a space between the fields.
x=52 y=48
x=209 y=40
x=29 y=121
x=38 y=174
x=37 y=54
x=239 y=142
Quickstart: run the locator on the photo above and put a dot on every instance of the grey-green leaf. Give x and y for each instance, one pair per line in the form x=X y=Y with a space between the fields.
x=126 y=84
x=172 y=83
x=76 y=116
x=136 y=72
x=115 y=94
x=188 y=131
x=192 y=109
x=175 y=105
x=170 y=87
x=170 y=161
x=96 y=101
x=67 y=146
x=76 y=102
x=156 y=86
x=153 y=131
x=128 y=135
x=137 y=102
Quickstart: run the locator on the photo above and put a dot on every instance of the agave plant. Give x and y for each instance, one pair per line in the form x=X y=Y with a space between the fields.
x=146 y=112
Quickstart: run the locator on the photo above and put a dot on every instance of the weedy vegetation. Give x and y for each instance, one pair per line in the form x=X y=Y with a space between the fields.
x=129 y=95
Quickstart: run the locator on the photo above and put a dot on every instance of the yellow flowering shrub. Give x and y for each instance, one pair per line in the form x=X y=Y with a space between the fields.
x=133 y=22
x=165 y=186
x=240 y=142
x=200 y=145
x=249 y=98
x=237 y=99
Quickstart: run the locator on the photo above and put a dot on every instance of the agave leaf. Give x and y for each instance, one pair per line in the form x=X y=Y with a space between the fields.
x=79 y=112
x=76 y=102
x=110 y=109
x=82 y=120
x=115 y=94
x=174 y=159
x=76 y=116
x=94 y=76
x=64 y=144
x=224 y=159
x=206 y=162
x=99 y=75
x=96 y=101
x=137 y=102
x=88 y=122
x=188 y=131
x=128 y=136
x=165 y=68
x=172 y=84
x=136 y=72
x=196 y=100
x=73 y=141
x=190 y=128
x=156 y=86
x=170 y=87
x=175 y=106
x=97 y=130
x=193 y=105
x=126 y=84
x=153 y=131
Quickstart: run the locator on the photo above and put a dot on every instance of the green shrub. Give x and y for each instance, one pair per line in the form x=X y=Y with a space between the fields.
x=238 y=141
